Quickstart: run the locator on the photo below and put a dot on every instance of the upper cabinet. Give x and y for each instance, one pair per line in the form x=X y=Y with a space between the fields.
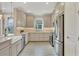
x=20 y=18
x=47 y=20
x=30 y=21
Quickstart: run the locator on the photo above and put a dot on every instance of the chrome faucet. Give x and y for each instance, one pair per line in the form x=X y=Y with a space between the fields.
x=5 y=34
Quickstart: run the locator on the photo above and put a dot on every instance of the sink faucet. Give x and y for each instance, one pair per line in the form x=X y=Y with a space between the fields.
x=5 y=34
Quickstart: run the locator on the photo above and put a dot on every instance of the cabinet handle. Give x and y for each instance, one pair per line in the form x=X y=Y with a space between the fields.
x=56 y=36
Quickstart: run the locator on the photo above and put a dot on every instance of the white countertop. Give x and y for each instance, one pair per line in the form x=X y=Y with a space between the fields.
x=15 y=38
x=12 y=38
x=2 y=39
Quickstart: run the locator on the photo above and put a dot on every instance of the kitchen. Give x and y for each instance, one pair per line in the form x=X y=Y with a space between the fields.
x=21 y=26
x=29 y=30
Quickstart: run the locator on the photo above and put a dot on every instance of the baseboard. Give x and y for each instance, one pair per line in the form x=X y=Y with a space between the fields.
x=23 y=48
x=27 y=43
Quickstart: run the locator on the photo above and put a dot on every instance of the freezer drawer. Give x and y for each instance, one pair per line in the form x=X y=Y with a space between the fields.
x=58 y=48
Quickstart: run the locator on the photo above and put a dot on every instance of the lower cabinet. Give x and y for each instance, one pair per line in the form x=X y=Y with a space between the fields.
x=39 y=36
x=16 y=48
x=5 y=48
x=10 y=49
x=14 y=53
x=5 y=51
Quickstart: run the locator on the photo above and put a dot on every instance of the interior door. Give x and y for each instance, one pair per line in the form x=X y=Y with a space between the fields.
x=69 y=35
x=77 y=31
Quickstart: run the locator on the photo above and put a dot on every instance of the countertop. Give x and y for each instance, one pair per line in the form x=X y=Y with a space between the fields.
x=40 y=32
x=33 y=30
x=3 y=39
x=12 y=38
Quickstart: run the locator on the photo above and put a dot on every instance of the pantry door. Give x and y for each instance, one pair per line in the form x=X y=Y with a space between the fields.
x=77 y=29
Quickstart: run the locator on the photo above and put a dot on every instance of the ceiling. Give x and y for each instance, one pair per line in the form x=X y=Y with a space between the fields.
x=36 y=8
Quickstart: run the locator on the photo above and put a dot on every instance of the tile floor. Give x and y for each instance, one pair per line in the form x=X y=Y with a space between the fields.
x=37 y=49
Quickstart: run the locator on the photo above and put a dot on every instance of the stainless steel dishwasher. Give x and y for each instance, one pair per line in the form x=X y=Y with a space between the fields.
x=23 y=40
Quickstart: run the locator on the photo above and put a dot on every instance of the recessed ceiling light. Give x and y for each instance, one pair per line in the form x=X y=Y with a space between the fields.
x=25 y=2
x=47 y=3
x=62 y=3
x=3 y=8
x=29 y=11
x=0 y=16
x=57 y=11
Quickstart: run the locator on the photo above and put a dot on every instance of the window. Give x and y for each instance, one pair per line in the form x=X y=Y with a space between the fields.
x=39 y=24
x=10 y=25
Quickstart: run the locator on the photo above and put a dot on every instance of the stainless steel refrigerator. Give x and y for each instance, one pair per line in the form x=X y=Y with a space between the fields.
x=58 y=36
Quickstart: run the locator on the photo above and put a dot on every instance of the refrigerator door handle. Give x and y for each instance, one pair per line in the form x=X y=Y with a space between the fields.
x=56 y=36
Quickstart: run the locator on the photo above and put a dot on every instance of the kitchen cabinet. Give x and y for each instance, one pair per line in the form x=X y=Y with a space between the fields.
x=37 y=36
x=16 y=48
x=47 y=20
x=5 y=51
x=29 y=21
x=5 y=48
x=20 y=18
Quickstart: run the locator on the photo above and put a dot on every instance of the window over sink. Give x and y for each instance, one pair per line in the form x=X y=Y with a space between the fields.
x=39 y=24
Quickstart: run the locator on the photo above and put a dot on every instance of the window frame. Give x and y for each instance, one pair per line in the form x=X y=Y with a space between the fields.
x=36 y=25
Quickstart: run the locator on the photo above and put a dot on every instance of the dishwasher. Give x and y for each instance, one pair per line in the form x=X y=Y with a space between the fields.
x=23 y=41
